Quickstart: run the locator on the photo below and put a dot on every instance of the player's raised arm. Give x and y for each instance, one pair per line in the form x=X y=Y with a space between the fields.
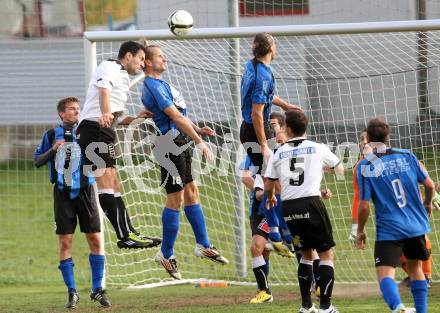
x=284 y=104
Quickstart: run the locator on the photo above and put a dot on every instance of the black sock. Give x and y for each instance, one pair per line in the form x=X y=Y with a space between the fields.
x=305 y=276
x=110 y=208
x=258 y=266
x=316 y=271
x=326 y=281
x=298 y=256
x=123 y=214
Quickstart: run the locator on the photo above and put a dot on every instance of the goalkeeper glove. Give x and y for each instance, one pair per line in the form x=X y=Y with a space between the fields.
x=353 y=233
x=436 y=201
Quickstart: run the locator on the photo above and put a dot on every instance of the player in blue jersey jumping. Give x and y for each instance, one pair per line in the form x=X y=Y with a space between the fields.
x=176 y=131
x=74 y=198
x=257 y=97
x=389 y=177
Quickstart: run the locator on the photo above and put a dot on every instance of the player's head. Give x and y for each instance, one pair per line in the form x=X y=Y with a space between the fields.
x=155 y=60
x=296 y=123
x=378 y=130
x=281 y=138
x=277 y=121
x=68 y=110
x=363 y=140
x=132 y=55
x=264 y=43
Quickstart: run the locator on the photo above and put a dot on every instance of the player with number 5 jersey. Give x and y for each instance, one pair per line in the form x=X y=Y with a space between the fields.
x=298 y=165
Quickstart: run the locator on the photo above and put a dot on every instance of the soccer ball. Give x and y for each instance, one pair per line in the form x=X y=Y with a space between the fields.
x=180 y=22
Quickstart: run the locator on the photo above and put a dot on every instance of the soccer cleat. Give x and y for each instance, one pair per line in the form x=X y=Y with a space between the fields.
x=210 y=253
x=72 y=300
x=402 y=309
x=281 y=249
x=312 y=309
x=155 y=241
x=132 y=241
x=331 y=309
x=170 y=265
x=100 y=296
x=315 y=289
x=262 y=297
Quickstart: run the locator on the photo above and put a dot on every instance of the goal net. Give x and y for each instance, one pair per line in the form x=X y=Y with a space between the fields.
x=341 y=80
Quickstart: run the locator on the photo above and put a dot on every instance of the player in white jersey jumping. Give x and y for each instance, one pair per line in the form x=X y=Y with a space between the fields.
x=298 y=166
x=103 y=109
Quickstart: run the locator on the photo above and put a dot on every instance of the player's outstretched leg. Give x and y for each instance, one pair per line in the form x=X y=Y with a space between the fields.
x=142 y=241
x=204 y=249
x=170 y=229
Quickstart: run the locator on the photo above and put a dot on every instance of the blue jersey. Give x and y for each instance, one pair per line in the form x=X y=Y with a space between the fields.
x=257 y=86
x=66 y=167
x=157 y=95
x=247 y=165
x=391 y=180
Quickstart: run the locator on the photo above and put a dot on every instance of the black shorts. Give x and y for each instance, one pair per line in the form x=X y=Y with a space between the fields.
x=388 y=252
x=249 y=140
x=308 y=223
x=176 y=172
x=91 y=132
x=66 y=211
x=259 y=225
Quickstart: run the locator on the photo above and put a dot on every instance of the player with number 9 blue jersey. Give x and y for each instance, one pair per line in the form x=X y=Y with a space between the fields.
x=391 y=181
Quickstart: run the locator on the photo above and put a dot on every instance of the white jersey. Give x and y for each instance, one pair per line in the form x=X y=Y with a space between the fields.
x=109 y=75
x=298 y=164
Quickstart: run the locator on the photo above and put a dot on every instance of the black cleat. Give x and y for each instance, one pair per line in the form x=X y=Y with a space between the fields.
x=132 y=241
x=155 y=241
x=100 y=296
x=72 y=300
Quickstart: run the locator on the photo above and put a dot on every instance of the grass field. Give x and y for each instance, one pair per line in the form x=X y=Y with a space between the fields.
x=31 y=282
x=189 y=299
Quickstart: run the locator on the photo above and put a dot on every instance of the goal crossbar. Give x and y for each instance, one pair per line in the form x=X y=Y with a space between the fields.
x=280 y=30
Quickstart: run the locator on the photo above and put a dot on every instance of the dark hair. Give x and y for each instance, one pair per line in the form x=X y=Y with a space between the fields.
x=262 y=43
x=61 y=106
x=129 y=46
x=378 y=130
x=297 y=121
x=149 y=51
x=279 y=117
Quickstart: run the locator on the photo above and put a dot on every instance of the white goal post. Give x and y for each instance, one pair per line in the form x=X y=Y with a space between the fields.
x=340 y=74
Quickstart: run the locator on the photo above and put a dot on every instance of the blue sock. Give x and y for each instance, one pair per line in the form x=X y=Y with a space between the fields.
x=419 y=289
x=170 y=228
x=194 y=214
x=273 y=222
x=66 y=268
x=287 y=236
x=266 y=268
x=390 y=292
x=97 y=263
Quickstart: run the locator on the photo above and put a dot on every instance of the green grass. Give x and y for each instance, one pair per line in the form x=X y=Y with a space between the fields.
x=359 y=299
